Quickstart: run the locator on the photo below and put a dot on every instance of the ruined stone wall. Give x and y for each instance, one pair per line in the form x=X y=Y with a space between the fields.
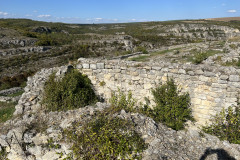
x=211 y=88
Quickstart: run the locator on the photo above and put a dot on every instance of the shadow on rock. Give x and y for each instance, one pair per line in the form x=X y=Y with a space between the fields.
x=221 y=154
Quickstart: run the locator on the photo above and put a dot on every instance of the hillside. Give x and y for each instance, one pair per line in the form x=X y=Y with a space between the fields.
x=150 y=90
x=225 y=19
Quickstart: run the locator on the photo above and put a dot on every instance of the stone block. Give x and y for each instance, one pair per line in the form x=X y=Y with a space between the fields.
x=209 y=74
x=79 y=66
x=182 y=71
x=199 y=72
x=85 y=66
x=100 y=65
x=234 y=78
x=224 y=77
x=93 y=66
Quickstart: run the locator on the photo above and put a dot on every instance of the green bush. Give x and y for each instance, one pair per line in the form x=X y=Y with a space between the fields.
x=141 y=49
x=199 y=57
x=3 y=154
x=172 y=108
x=120 y=100
x=105 y=137
x=72 y=91
x=226 y=125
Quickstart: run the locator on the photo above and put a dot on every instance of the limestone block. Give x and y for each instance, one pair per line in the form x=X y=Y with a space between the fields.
x=165 y=70
x=209 y=74
x=199 y=72
x=134 y=73
x=156 y=68
x=136 y=78
x=206 y=103
x=191 y=73
x=93 y=66
x=203 y=78
x=182 y=71
x=224 y=77
x=196 y=101
x=107 y=76
x=85 y=66
x=234 y=78
x=79 y=66
x=148 y=86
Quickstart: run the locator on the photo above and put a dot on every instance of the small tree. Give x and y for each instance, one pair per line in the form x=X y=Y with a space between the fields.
x=172 y=108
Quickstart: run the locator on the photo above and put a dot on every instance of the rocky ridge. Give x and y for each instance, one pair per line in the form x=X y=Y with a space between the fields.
x=29 y=135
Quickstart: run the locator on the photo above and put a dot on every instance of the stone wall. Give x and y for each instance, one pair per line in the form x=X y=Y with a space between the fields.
x=211 y=88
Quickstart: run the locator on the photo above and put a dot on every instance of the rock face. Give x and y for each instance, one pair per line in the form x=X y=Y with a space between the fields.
x=37 y=135
x=7 y=43
x=201 y=31
x=23 y=50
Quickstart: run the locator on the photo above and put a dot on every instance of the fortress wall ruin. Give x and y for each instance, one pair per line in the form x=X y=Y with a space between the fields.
x=211 y=88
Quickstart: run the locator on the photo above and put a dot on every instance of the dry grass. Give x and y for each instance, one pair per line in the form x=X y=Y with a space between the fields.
x=225 y=19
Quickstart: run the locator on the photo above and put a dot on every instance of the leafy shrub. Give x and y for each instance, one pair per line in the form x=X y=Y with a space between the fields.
x=226 y=125
x=171 y=108
x=105 y=137
x=233 y=46
x=120 y=100
x=72 y=91
x=199 y=57
x=141 y=49
x=3 y=154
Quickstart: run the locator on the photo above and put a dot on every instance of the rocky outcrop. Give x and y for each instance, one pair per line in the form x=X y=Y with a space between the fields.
x=200 y=31
x=7 y=43
x=24 y=50
x=10 y=91
x=42 y=29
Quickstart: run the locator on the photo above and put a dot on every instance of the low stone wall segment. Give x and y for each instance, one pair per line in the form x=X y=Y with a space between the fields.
x=210 y=87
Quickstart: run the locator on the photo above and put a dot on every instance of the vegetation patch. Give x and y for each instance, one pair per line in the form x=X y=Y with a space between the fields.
x=107 y=136
x=141 y=49
x=6 y=111
x=74 y=90
x=3 y=154
x=172 y=108
x=140 y=58
x=226 y=125
x=201 y=56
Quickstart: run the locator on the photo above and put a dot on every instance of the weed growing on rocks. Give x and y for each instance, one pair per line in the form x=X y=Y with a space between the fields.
x=72 y=91
x=105 y=137
x=226 y=125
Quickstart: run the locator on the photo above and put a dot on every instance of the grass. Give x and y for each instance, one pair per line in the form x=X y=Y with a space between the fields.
x=6 y=111
x=197 y=57
x=140 y=58
x=153 y=54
